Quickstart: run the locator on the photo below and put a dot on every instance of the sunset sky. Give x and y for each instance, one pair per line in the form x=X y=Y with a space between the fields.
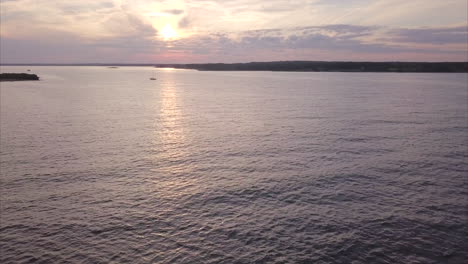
x=185 y=31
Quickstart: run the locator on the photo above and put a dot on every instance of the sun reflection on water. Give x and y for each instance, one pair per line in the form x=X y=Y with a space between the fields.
x=171 y=132
x=174 y=166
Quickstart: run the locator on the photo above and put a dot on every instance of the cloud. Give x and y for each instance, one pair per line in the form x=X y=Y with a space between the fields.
x=234 y=30
x=347 y=29
x=80 y=7
x=173 y=11
x=330 y=42
x=90 y=19
x=318 y=40
x=127 y=24
x=63 y=47
x=436 y=36
x=403 y=13
x=185 y=22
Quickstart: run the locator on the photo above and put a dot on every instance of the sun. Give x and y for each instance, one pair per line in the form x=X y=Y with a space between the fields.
x=168 y=32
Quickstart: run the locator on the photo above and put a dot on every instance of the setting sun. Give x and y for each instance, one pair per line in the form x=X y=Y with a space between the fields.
x=168 y=32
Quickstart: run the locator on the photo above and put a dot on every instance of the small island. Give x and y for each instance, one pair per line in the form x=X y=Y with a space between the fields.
x=11 y=77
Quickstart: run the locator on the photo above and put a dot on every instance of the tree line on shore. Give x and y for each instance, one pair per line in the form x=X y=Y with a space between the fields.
x=324 y=66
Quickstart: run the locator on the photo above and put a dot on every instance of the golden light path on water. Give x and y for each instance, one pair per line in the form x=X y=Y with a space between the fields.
x=170 y=139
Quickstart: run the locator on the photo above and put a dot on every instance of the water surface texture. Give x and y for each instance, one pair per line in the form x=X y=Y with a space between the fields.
x=103 y=165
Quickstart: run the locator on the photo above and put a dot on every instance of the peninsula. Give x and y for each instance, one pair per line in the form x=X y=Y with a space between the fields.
x=327 y=66
x=10 y=77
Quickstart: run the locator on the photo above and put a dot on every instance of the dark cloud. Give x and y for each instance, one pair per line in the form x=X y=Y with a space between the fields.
x=272 y=6
x=342 y=28
x=55 y=47
x=63 y=47
x=437 y=36
x=340 y=2
x=126 y=24
x=77 y=8
x=332 y=38
x=16 y=15
x=173 y=11
x=140 y=26
x=325 y=42
x=185 y=22
x=280 y=6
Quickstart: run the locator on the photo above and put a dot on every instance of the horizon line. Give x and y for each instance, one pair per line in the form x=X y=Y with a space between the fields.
x=153 y=64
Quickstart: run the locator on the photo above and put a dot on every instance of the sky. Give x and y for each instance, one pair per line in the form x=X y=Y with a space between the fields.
x=201 y=31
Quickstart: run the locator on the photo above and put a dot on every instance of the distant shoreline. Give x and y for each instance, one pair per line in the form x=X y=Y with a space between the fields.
x=292 y=66
x=15 y=77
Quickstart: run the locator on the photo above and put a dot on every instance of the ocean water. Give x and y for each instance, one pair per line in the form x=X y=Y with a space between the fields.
x=103 y=165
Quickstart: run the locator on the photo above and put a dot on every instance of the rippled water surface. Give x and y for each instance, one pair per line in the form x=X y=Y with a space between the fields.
x=103 y=165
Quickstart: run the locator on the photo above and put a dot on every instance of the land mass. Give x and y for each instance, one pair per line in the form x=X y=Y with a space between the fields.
x=291 y=66
x=327 y=66
x=4 y=77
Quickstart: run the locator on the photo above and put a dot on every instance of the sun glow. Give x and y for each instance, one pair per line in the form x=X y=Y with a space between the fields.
x=168 y=32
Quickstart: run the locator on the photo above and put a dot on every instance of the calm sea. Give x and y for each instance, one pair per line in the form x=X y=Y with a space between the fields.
x=103 y=165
